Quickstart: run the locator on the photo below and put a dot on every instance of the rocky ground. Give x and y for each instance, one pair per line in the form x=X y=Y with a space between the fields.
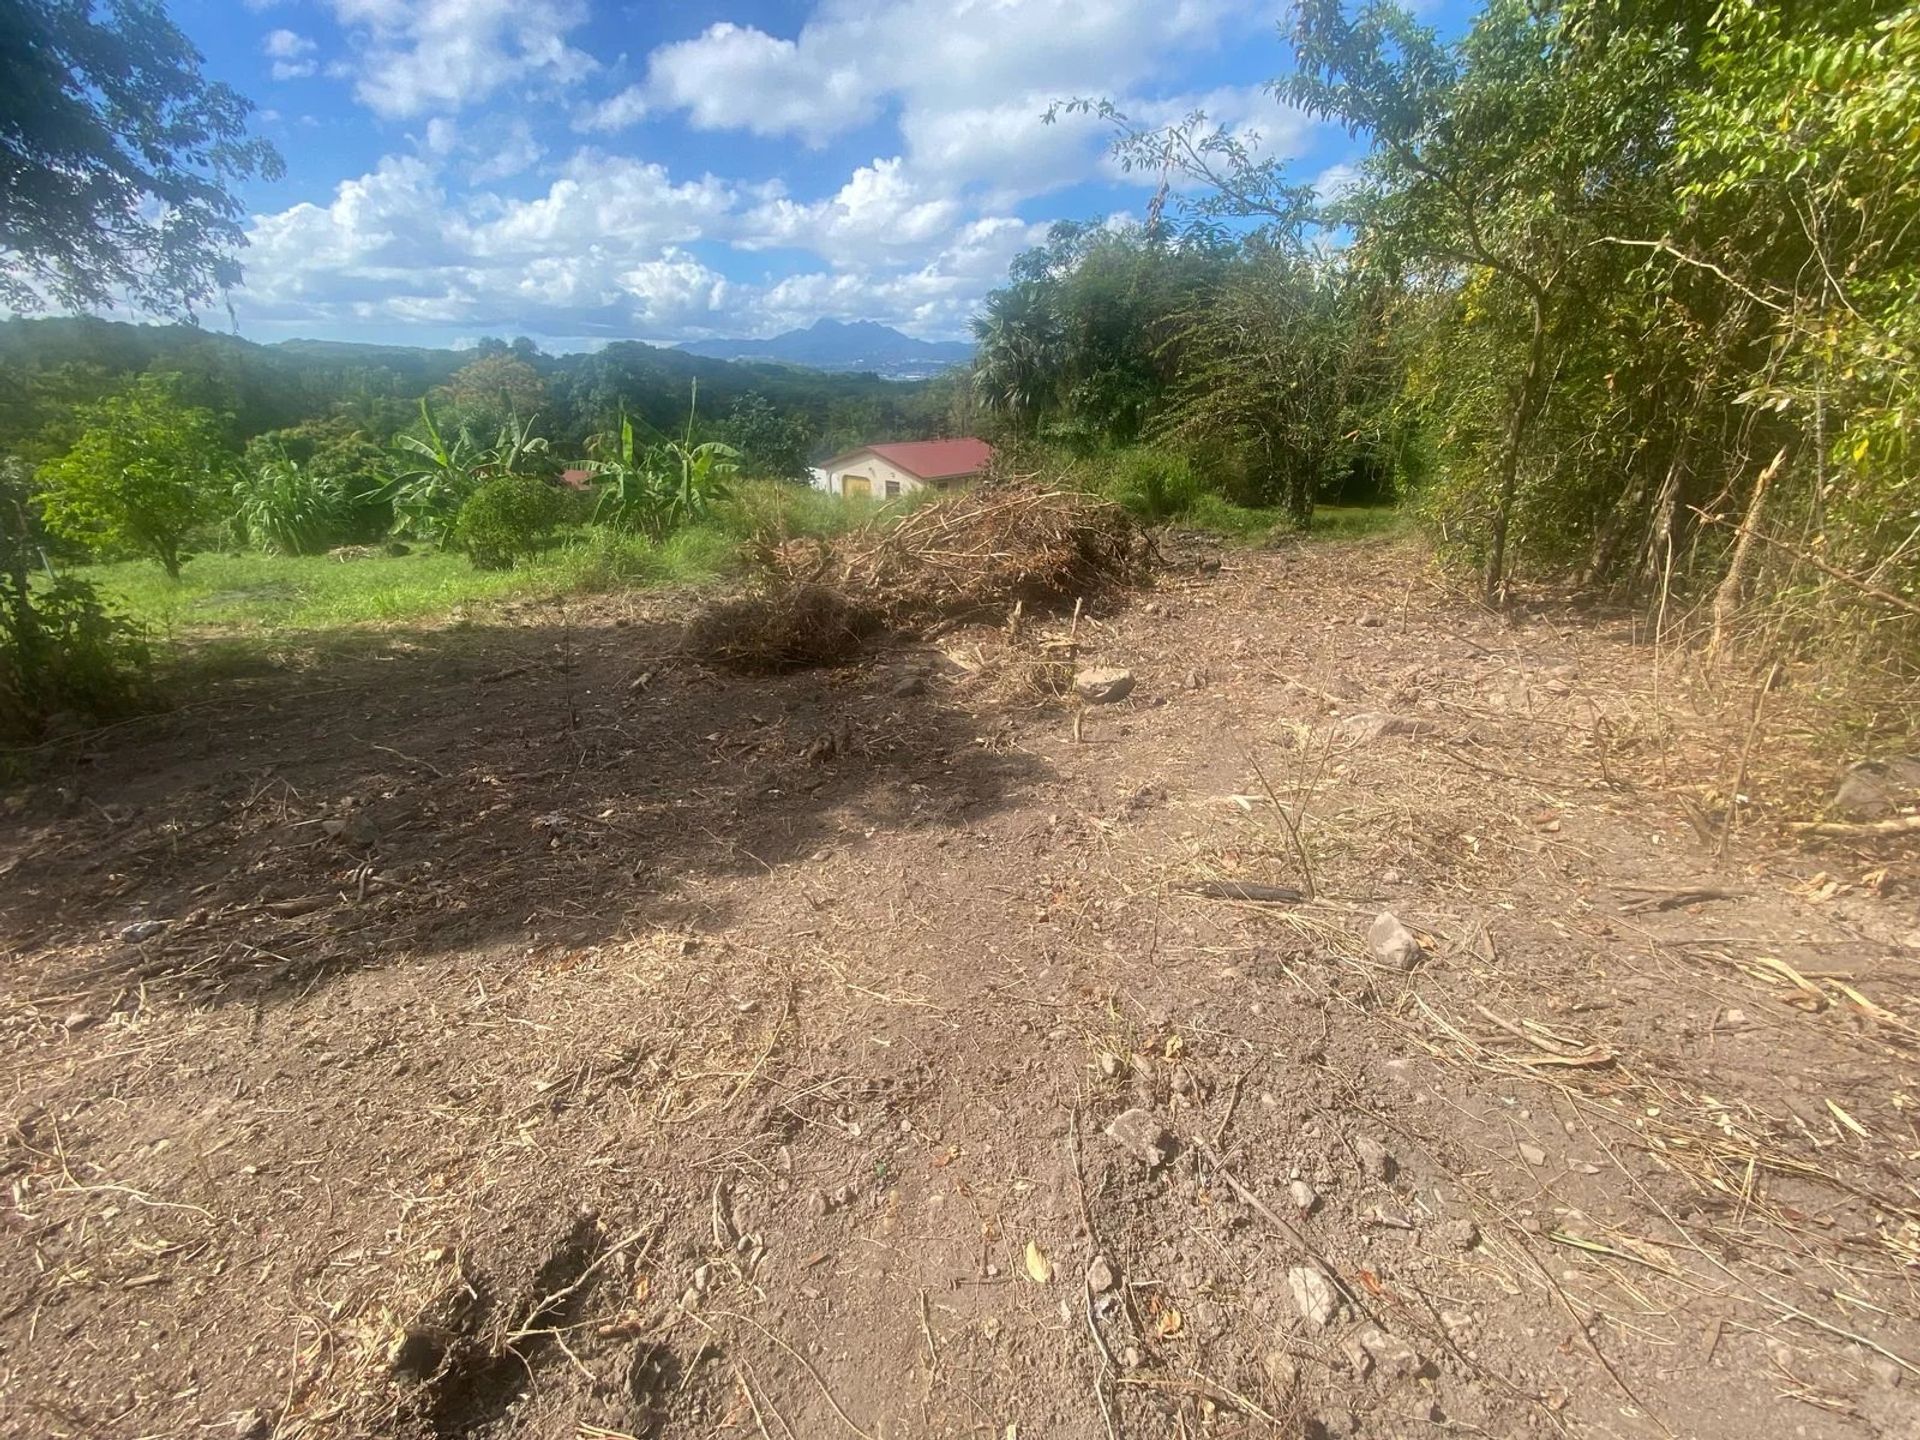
x=512 y=1030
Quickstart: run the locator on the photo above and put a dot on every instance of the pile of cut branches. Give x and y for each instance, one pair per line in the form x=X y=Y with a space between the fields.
x=970 y=556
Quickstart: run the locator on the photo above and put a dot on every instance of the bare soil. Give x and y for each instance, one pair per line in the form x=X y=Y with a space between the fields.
x=510 y=1029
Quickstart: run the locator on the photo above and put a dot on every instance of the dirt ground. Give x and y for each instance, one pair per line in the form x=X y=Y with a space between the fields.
x=508 y=1029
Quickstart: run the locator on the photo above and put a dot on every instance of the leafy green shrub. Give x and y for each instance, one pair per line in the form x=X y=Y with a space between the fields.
x=61 y=649
x=1153 y=484
x=607 y=559
x=290 y=509
x=507 y=520
x=140 y=477
x=773 y=511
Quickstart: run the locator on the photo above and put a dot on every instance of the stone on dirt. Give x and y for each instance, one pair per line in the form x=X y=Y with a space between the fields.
x=1874 y=789
x=1377 y=725
x=1374 y=1157
x=1393 y=1357
x=1391 y=942
x=1304 y=1196
x=141 y=930
x=1314 y=1295
x=1099 y=1275
x=1139 y=1132
x=1103 y=685
x=1282 y=1373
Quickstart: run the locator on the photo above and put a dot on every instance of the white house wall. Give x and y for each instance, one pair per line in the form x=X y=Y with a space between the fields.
x=878 y=471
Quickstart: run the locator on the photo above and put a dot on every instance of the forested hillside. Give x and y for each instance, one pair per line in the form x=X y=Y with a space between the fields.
x=48 y=367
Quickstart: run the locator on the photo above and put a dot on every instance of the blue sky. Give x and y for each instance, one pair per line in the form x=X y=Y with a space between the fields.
x=588 y=170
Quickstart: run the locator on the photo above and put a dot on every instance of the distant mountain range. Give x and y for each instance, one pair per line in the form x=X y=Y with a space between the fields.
x=836 y=345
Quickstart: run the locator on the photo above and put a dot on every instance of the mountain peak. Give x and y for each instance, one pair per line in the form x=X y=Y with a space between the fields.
x=844 y=345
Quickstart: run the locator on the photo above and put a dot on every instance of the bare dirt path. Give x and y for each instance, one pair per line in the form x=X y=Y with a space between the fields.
x=507 y=1031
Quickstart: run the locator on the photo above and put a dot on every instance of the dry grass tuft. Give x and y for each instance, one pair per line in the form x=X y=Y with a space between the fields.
x=781 y=627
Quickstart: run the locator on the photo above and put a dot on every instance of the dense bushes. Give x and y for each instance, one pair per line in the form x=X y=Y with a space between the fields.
x=506 y=520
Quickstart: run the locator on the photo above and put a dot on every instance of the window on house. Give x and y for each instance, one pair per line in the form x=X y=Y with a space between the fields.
x=893 y=488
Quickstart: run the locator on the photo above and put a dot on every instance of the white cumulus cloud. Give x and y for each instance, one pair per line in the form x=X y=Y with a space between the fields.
x=419 y=56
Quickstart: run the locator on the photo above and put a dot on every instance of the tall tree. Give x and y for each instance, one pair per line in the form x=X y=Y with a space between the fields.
x=116 y=160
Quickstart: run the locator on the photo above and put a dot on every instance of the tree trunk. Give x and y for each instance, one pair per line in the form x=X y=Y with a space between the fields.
x=1726 y=599
x=25 y=625
x=1525 y=402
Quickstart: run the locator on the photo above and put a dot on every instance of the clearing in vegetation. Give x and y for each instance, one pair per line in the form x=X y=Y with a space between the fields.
x=521 y=1030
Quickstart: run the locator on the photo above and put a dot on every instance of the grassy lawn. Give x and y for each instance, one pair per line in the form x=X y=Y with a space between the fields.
x=256 y=593
x=1250 y=524
x=249 y=595
x=268 y=592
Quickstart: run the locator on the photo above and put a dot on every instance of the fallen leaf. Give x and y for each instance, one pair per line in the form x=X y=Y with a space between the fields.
x=1848 y=1121
x=1038 y=1266
x=1170 y=1323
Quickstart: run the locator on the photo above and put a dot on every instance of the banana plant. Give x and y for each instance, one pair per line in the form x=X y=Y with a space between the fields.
x=630 y=488
x=432 y=478
x=697 y=474
x=661 y=487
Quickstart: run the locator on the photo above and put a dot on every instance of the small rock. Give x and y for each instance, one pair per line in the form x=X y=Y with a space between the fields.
x=1457 y=1234
x=1358 y=1359
x=702 y=1278
x=1140 y=1133
x=1394 y=1357
x=1375 y=1158
x=1195 y=680
x=141 y=930
x=1734 y=1020
x=1873 y=789
x=1099 y=1275
x=1314 y=1295
x=1459 y=1325
x=1111 y=1065
x=1391 y=942
x=1305 y=1197
x=1103 y=685
x=910 y=685
x=79 y=1020
x=1376 y=725
x=1282 y=1373
x=1532 y=1154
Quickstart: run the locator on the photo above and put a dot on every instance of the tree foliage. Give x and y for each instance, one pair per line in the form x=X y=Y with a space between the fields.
x=142 y=475
x=116 y=158
x=1641 y=280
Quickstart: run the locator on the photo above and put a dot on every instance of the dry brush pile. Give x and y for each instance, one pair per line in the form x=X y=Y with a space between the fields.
x=966 y=557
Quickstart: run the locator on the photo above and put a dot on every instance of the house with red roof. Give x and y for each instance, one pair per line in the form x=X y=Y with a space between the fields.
x=887 y=471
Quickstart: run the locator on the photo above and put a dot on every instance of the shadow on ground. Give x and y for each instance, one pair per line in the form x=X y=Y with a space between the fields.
x=436 y=790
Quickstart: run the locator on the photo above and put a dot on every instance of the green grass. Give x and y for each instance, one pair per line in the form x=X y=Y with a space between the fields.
x=262 y=594
x=1251 y=524
x=270 y=592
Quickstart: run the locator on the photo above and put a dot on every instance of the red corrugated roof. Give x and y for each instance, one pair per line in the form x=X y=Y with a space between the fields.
x=929 y=459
